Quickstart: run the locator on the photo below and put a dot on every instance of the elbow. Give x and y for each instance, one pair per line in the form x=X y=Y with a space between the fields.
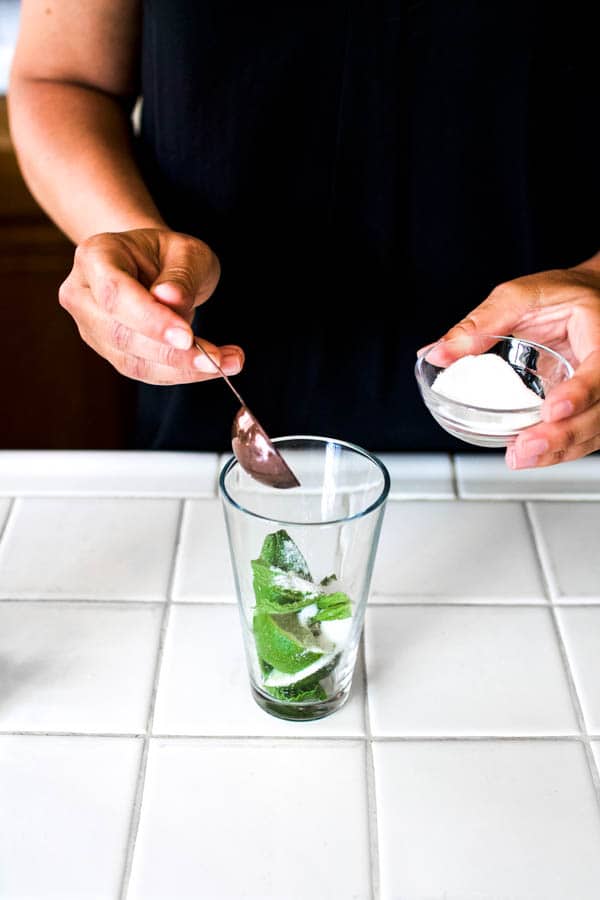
x=16 y=102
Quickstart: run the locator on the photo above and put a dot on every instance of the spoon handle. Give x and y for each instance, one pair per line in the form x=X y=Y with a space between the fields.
x=220 y=371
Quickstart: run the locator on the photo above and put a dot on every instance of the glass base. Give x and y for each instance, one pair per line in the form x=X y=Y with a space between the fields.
x=300 y=712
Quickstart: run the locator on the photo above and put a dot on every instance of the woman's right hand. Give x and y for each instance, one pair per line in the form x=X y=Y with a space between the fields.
x=133 y=294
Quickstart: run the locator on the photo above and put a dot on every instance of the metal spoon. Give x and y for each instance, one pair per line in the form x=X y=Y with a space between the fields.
x=252 y=446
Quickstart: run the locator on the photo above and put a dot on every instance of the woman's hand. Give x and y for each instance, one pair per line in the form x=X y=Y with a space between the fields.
x=133 y=294
x=559 y=308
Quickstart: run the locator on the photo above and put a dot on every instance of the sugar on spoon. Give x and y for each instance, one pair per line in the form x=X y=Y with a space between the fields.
x=252 y=446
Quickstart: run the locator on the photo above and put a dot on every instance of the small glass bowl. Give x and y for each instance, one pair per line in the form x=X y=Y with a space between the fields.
x=539 y=367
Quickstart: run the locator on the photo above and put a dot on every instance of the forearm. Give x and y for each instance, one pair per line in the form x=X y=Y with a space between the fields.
x=74 y=147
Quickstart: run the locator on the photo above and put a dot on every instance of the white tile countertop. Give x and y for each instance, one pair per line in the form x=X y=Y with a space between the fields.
x=134 y=764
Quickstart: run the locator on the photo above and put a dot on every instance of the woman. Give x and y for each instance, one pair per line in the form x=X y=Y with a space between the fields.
x=298 y=162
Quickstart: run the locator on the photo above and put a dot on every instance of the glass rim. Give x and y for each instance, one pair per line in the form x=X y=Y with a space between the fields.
x=379 y=501
x=457 y=404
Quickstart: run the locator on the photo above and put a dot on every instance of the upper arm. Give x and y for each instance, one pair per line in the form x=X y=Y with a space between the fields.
x=93 y=43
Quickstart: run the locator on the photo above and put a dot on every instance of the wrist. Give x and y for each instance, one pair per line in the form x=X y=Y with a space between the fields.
x=137 y=223
x=591 y=265
x=123 y=224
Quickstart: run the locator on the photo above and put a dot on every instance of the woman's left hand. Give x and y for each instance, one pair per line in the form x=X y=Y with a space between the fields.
x=559 y=308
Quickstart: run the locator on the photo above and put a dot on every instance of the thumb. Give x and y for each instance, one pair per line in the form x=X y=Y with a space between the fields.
x=499 y=313
x=188 y=276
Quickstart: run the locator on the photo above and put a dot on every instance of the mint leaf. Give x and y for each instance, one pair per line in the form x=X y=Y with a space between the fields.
x=327 y=580
x=292 y=694
x=333 y=606
x=278 y=591
x=279 y=550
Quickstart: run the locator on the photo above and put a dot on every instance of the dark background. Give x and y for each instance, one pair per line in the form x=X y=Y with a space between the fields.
x=56 y=392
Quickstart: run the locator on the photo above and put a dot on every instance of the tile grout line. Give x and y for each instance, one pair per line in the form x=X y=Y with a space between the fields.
x=104 y=598
x=433 y=600
x=136 y=811
x=215 y=485
x=540 y=560
x=395 y=496
x=88 y=601
x=395 y=601
x=454 y=476
x=401 y=497
x=119 y=735
x=109 y=494
x=530 y=497
x=372 y=826
x=552 y=591
x=543 y=556
x=318 y=738
x=9 y=513
x=479 y=738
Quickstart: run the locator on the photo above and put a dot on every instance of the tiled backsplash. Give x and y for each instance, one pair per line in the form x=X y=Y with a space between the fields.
x=134 y=764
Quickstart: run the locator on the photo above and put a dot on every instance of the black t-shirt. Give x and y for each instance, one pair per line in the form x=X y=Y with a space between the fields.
x=366 y=172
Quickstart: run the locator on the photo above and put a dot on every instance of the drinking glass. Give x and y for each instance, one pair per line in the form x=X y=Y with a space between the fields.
x=302 y=561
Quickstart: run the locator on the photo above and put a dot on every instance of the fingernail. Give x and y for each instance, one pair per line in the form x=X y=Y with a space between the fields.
x=178 y=338
x=231 y=363
x=524 y=463
x=510 y=456
x=204 y=364
x=529 y=449
x=561 y=410
x=166 y=291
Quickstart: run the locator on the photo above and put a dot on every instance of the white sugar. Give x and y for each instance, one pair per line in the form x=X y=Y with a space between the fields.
x=306 y=614
x=337 y=630
x=487 y=381
x=292 y=557
x=289 y=581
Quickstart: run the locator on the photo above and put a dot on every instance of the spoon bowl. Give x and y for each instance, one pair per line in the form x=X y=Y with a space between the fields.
x=257 y=454
x=252 y=446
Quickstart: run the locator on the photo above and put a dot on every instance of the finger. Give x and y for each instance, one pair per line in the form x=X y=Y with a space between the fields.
x=498 y=314
x=107 y=336
x=444 y=353
x=439 y=354
x=577 y=394
x=189 y=273
x=106 y=270
x=573 y=453
x=424 y=349
x=120 y=338
x=568 y=455
x=229 y=357
x=554 y=439
x=155 y=373
x=145 y=370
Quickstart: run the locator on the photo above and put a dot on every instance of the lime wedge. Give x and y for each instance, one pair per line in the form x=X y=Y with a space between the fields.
x=305 y=678
x=284 y=643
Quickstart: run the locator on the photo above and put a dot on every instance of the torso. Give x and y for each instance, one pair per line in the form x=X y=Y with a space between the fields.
x=366 y=171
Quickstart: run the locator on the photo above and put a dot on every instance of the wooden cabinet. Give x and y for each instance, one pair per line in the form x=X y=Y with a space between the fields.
x=56 y=392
